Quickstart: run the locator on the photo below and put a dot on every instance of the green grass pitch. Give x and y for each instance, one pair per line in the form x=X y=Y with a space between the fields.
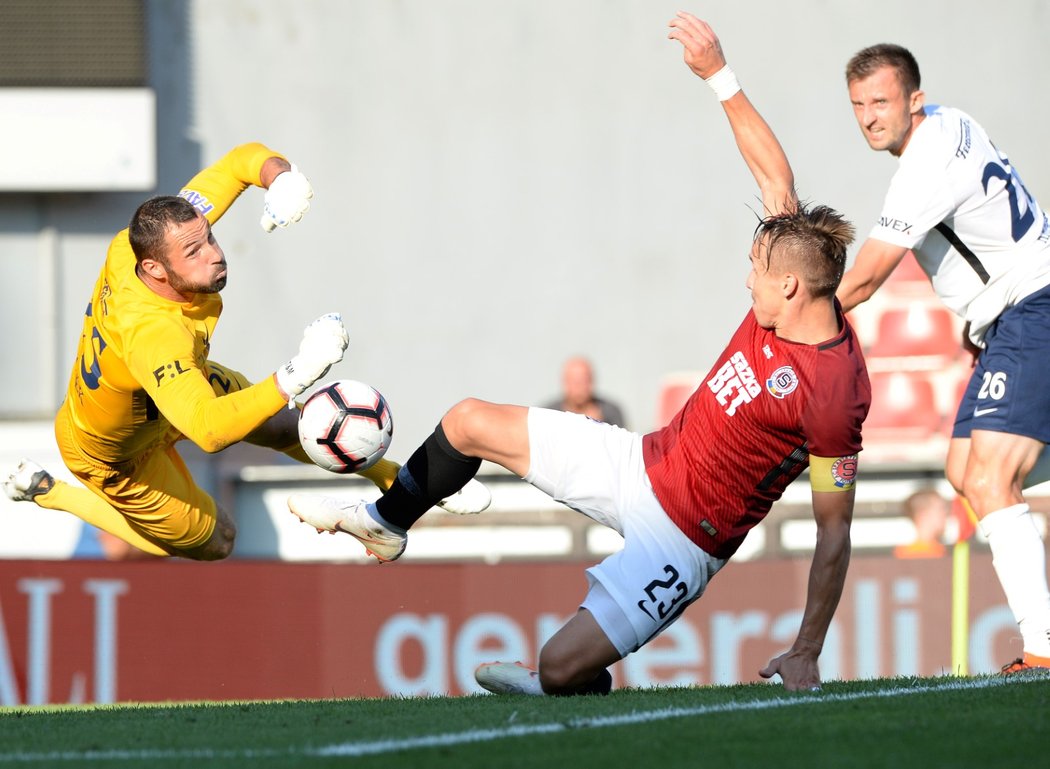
x=900 y=723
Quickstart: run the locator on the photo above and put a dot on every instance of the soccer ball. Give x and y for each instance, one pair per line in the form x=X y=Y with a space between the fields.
x=346 y=426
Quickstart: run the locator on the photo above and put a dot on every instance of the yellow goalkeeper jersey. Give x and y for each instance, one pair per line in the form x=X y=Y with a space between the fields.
x=140 y=378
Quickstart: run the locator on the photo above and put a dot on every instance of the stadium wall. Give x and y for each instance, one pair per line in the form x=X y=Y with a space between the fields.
x=174 y=631
x=500 y=186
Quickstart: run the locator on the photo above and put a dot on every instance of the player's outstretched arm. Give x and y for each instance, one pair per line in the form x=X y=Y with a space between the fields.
x=324 y=342
x=797 y=667
x=214 y=189
x=756 y=141
x=875 y=260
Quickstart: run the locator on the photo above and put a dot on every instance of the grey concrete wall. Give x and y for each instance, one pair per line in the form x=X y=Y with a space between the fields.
x=502 y=184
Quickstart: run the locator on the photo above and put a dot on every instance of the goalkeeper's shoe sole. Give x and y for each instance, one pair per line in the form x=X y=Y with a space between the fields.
x=470 y=500
x=1029 y=663
x=328 y=514
x=27 y=481
x=508 y=678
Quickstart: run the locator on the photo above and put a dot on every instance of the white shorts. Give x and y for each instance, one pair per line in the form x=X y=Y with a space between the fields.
x=597 y=469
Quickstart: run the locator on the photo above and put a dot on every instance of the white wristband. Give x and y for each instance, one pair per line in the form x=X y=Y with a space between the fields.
x=724 y=83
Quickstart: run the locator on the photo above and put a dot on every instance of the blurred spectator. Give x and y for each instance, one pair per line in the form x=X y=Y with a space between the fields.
x=929 y=513
x=578 y=396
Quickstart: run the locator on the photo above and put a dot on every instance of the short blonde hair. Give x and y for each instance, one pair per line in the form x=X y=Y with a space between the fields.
x=811 y=241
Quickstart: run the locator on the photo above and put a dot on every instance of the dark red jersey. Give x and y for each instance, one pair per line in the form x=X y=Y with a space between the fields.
x=749 y=430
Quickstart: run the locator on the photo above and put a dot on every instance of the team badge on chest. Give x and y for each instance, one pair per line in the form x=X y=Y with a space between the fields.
x=782 y=382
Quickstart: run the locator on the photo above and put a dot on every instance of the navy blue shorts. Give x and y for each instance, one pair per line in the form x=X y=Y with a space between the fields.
x=1009 y=391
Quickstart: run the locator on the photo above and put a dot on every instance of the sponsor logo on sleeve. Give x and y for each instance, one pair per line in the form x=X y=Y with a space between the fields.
x=168 y=372
x=782 y=382
x=897 y=225
x=964 y=140
x=197 y=200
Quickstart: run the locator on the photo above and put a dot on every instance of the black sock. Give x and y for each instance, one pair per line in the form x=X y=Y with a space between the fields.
x=435 y=470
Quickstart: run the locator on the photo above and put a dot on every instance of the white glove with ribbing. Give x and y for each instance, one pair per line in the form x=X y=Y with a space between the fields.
x=286 y=200
x=324 y=342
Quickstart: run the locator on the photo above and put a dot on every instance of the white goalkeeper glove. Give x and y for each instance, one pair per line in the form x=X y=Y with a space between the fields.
x=324 y=342
x=286 y=200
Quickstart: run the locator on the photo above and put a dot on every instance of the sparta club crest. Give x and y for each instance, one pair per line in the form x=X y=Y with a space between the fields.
x=782 y=382
x=844 y=471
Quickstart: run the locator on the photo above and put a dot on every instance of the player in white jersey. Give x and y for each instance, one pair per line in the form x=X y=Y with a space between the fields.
x=958 y=203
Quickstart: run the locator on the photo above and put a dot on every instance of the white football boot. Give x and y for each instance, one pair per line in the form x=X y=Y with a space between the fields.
x=27 y=481
x=470 y=500
x=508 y=678
x=332 y=515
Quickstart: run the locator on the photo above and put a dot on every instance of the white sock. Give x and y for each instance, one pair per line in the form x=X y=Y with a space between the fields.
x=373 y=511
x=1020 y=561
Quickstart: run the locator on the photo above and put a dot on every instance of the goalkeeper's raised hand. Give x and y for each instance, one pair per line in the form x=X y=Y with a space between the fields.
x=286 y=200
x=324 y=342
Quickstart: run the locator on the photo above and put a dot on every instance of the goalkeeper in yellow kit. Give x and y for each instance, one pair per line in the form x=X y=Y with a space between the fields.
x=142 y=379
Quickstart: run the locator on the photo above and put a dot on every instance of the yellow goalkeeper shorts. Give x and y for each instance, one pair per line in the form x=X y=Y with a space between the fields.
x=154 y=490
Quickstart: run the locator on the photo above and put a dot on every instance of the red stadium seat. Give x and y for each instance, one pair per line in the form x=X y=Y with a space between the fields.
x=920 y=329
x=955 y=383
x=908 y=271
x=674 y=392
x=903 y=407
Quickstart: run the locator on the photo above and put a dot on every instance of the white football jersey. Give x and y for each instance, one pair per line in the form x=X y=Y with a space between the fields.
x=957 y=202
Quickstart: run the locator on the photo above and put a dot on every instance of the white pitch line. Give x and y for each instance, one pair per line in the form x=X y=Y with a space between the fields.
x=378 y=747
x=486 y=735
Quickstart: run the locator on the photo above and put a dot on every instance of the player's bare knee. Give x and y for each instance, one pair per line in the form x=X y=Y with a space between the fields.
x=461 y=421
x=971 y=488
x=555 y=681
x=560 y=673
x=985 y=492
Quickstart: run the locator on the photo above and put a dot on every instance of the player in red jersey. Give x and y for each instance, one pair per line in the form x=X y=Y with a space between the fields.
x=790 y=391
